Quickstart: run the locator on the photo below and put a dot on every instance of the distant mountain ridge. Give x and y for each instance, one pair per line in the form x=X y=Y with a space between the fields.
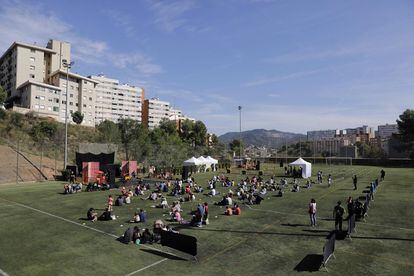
x=263 y=137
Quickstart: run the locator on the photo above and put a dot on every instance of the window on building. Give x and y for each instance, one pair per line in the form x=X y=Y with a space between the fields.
x=56 y=108
x=32 y=76
x=32 y=67
x=84 y=97
x=90 y=98
x=33 y=59
x=42 y=107
x=70 y=103
x=77 y=104
x=42 y=97
x=36 y=106
x=84 y=105
x=49 y=108
x=72 y=87
x=71 y=95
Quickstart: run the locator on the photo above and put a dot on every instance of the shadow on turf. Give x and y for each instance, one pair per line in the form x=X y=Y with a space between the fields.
x=258 y=233
x=310 y=263
x=293 y=224
x=163 y=254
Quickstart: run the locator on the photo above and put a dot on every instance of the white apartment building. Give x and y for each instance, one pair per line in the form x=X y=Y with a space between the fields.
x=81 y=95
x=115 y=101
x=386 y=131
x=35 y=80
x=154 y=111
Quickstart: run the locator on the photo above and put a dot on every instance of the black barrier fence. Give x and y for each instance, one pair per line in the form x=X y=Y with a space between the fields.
x=180 y=242
x=328 y=250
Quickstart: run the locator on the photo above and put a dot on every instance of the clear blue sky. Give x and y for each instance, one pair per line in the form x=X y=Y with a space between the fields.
x=292 y=65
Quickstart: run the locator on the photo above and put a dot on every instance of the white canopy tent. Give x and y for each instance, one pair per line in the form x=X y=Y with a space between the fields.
x=191 y=162
x=306 y=167
x=204 y=162
x=213 y=162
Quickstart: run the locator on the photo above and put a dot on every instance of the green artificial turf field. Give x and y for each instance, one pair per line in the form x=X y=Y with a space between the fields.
x=43 y=232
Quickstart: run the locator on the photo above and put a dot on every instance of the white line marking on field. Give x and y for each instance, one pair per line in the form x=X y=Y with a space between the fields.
x=148 y=266
x=4 y=273
x=94 y=229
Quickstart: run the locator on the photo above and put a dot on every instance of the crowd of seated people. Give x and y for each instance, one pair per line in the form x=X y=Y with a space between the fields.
x=72 y=188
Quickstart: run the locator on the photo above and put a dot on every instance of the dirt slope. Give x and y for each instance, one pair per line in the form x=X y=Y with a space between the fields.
x=26 y=171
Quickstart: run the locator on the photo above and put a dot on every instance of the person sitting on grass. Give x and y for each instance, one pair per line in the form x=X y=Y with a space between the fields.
x=236 y=210
x=128 y=235
x=138 y=190
x=223 y=202
x=228 y=211
x=92 y=215
x=142 y=215
x=136 y=218
x=127 y=199
x=163 y=204
x=67 y=189
x=213 y=192
x=176 y=216
x=77 y=187
x=136 y=237
x=159 y=226
x=153 y=196
x=146 y=236
x=295 y=188
x=258 y=199
x=107 y=215
x=119 y=201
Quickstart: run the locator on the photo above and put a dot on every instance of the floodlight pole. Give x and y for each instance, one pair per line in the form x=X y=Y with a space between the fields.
x=240 y=135
x=67 y=66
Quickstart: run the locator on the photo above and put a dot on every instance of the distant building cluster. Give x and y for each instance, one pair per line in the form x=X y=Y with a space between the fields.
x=341 y=142
x=38 y=78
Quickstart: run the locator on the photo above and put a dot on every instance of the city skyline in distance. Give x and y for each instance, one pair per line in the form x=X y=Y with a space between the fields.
x=291 y=66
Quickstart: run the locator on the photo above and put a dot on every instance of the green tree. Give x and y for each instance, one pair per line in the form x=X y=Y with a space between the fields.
x=128 y=130
x=406 y=131
x=200 y=134
x=44 y=130
x=235 y=146
x=77 y=117
x=168 y=126
x=186 y=132
x=108 y=132
x=3 y=95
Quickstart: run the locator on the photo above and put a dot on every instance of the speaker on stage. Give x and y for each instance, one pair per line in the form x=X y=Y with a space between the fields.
x=110 y=169
x=257 y=165
x=185 y=172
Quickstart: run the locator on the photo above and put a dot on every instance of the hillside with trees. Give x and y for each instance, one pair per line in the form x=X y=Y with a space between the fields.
x=165 y=147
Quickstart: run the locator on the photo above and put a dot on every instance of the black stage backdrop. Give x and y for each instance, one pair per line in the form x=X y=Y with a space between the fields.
x=184 y=243
x=102 y=158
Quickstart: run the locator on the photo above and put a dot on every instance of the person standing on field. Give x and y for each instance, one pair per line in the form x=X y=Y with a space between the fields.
x=355 y=181
x=312 y=212
x=338 y=214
